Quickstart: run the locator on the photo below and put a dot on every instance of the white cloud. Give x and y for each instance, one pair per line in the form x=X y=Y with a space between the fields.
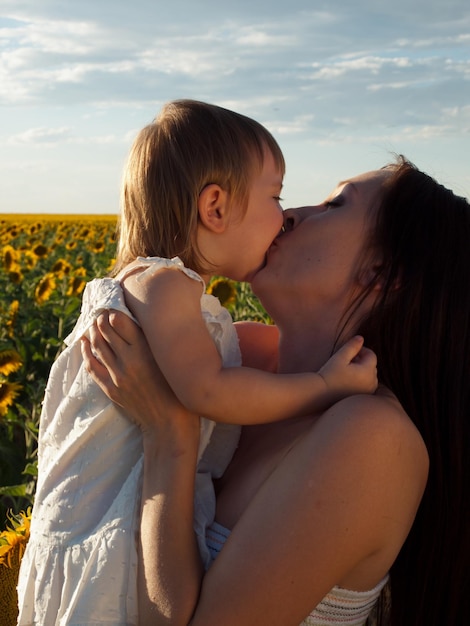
x=42 y=135
x=75 y=74
x=299 y=124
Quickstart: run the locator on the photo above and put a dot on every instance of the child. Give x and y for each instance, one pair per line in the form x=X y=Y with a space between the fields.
x=200 y=197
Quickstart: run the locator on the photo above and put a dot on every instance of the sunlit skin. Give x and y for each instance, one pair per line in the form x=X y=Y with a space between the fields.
x=238 y=251
x=304 y=498
x=235 y=243
x=315 y=267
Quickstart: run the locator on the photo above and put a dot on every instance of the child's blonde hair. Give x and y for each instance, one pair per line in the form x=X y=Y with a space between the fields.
x=187 y=147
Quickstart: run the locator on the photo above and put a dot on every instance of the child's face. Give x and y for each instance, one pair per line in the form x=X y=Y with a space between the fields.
x=250 y=237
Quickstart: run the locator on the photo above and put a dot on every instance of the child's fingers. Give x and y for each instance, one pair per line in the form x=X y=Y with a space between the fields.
x=367 y=357
x=351 y=349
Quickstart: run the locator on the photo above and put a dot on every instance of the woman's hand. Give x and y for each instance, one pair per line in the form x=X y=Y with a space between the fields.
x=117 y=356
x=119 y=360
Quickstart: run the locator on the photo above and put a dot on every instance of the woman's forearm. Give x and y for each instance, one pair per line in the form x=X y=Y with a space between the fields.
x=170 y=569
x=169 y=566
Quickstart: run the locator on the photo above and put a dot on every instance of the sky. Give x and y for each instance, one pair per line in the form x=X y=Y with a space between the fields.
x=341 y=85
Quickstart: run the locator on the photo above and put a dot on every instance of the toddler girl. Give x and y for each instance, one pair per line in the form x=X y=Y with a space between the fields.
x=200 y=197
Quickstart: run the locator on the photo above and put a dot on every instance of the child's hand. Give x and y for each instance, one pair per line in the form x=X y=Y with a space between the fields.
x=351 y=370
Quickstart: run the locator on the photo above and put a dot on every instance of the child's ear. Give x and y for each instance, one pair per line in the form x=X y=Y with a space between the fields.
x=213 y=208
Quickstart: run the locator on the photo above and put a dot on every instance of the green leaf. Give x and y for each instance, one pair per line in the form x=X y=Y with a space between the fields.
x=31 y=469
x=13 y=490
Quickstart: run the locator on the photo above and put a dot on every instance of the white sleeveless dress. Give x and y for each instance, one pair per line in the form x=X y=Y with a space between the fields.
x=80 y=565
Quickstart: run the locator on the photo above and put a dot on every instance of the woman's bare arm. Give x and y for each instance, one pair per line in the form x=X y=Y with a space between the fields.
x=335 y=511
x=170 y=570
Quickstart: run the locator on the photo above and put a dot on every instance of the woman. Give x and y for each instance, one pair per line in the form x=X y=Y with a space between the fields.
x=314 y=512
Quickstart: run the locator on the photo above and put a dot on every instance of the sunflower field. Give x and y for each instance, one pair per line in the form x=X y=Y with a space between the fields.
x=45 y=263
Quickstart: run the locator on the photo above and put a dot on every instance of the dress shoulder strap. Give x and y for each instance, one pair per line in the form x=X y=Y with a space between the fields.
x=154 y=264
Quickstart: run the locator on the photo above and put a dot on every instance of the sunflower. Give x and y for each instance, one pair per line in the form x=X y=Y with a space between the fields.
x=8 y=393
x=10 y=258
x=44 y=289
x=224 y=290
x=29 y=259
x=10 y=361
x=76 y=286
x=61 y=268
x=40 y=250
x=12 y=315
x=13 y=542
x=15 y=275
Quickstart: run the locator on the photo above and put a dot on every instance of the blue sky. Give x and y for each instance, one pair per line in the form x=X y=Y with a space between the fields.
x=340 y=84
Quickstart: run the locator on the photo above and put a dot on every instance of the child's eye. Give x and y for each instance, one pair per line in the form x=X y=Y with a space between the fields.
x=278 y=199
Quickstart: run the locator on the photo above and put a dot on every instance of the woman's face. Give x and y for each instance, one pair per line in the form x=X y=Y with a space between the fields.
x=316 y=259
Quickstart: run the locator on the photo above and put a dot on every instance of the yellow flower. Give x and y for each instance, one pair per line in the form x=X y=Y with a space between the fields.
x=12 y=546
x=10 y=361
x=12 y=315
x=61 y=268
x=15 y=537
x=76 y=286
x=84 y=233
x=70 y=245
x=8 y=393
x=10 y=258
x=15 y=275
x=40 y=250
x=30 y=259
x=224 y=290
x=44 y=289
x=13 y=232
x=99 y=246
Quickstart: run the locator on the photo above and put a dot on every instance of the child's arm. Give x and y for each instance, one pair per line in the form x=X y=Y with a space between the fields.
x=167 y=306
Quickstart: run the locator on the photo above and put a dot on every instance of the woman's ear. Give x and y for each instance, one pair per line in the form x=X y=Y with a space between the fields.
x=373 y=275
x=213 y=208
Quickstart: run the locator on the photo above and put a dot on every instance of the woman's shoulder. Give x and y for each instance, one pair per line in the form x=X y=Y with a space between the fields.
x=373 y=416
x=373 y=465
x=379 y=435
x=380 y=412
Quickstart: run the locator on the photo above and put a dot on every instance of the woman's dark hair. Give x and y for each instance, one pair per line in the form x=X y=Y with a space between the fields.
x=420 y=331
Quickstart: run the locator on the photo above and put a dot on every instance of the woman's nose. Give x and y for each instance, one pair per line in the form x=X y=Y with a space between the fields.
x=293 y=217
